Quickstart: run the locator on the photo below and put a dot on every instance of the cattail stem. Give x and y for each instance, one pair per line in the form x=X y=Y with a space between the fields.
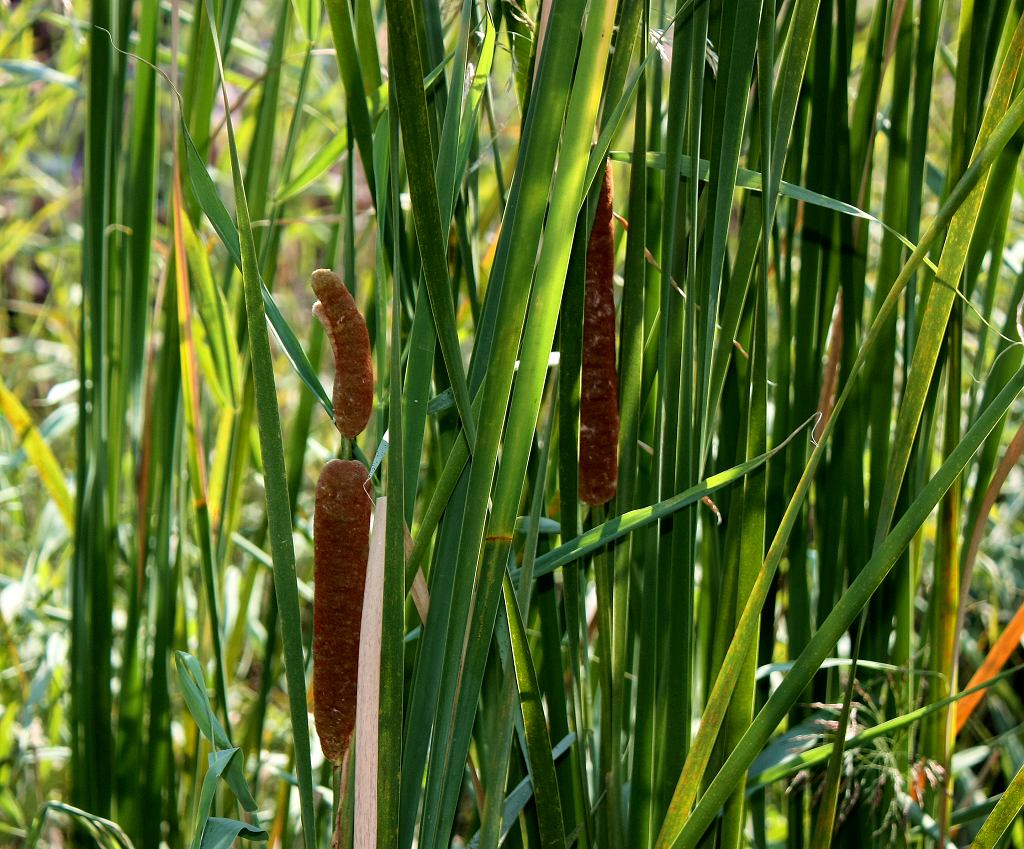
x=368 y=699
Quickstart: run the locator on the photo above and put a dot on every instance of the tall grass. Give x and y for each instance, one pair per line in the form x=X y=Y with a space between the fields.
x=761 y=640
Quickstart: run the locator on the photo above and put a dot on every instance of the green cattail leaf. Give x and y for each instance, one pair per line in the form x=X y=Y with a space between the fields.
x=220 y=833
x=220 y=218
x=1003 y=815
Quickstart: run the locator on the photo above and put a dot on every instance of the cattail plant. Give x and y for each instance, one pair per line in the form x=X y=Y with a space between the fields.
x=341 y=544
x=599 y=390
x=350 y=341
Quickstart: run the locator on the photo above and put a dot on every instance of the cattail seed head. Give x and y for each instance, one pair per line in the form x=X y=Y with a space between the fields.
x=341 y=542
x=599 y=385
x=350 y=341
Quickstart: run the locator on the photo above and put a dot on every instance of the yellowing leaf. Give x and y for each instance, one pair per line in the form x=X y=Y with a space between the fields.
x=38 y=452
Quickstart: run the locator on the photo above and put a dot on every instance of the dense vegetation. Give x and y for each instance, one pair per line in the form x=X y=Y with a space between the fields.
x=771 y=635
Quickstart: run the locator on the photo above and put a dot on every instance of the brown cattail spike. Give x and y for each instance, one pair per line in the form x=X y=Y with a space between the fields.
x=599 y=386
x=341 y=543
x=353 y=368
